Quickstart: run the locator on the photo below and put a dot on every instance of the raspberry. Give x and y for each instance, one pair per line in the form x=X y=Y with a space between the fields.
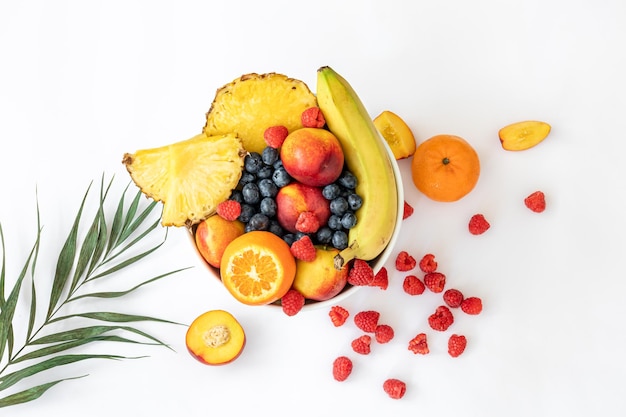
x=472 y=305
x=428 y=264
x=292 y=302
x=478 y=224
x=313 y=117
x=383 y=333
x=381 y=279
x=342 y=368
x=394 y=388
x=536 y=202
x=435 y=281
x=408 y=210
x=441 y=319
x=338 y=315
x=307 y=222
x=456 y=345
x=228 y=210
x=412 y=285
x=303 y=249
x=361 y=273
x=419 y=344
x=453 y=298
x=275 y=136
x=361 y=345
x=404 y=261
x=367 y=320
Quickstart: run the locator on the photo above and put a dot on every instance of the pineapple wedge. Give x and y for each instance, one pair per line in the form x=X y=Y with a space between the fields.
x=252 y=103
x=190 y=177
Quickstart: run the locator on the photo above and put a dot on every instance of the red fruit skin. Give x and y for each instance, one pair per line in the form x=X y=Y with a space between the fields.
x=536 y=201
x=478 y=224
x=456 y=345
x=362 y=345
x=395 y=388
x=435 y=281
x=441 y=319
x=453 y=298
x=419 y=344
x=383 y=333
x=342 y=368
x=428 y=264
x=275 y=136
x=292 y=302
x=412 y=285
x=367 y=320
x=313 y=117
x=303 y=249
x=381 y=279
x=338 y=315
x=405 y=262
x=229 y=210
x=361 y=273
x=296 y=198
x=408 y=210
x=472 y=305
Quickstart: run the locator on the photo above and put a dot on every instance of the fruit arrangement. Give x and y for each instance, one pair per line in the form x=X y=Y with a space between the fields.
x=283 y=190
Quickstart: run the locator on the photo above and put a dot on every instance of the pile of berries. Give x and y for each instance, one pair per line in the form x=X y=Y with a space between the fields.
x=264 y=175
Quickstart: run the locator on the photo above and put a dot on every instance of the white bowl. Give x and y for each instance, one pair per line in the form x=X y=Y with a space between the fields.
x=377 y=263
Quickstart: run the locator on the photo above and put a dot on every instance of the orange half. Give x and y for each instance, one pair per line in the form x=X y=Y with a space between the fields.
x=258 y=268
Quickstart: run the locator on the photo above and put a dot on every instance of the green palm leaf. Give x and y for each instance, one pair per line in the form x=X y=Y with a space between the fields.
x=99 y=254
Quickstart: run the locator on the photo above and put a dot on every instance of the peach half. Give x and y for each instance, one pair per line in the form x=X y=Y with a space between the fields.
x=215 y=338
x=312 y=156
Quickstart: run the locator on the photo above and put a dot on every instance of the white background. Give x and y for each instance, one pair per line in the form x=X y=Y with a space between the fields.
x=83 y=82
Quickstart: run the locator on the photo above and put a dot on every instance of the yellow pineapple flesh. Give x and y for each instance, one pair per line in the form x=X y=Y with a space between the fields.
x=253 y=102
x=190 y=177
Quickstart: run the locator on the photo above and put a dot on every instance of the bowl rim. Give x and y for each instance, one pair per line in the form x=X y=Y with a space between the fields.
x=377 y=262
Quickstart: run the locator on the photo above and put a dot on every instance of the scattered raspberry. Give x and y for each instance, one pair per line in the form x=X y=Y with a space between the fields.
x=229 y=210
x=361 y=345
x=412 y=285
x=456 y=345
x=342 y=368
x=435 y=281
x=303 y=249
x=408 y=210
x=338 y=315
x=383 y=333
x=381 y=279
x=441 y=319
x=419 y=344
x=478 y=224
x=536 y=201
x=472 y=305
x=307 y=222
x=275 y=136
x=313 y=117
x=367 y=320
x=453 y=297
x=428 y=264
x=361 y=273
x=404 y=261
x=394 y=388
x=292 y=302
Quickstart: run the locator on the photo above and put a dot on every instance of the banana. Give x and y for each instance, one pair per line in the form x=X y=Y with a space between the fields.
x=367 y=157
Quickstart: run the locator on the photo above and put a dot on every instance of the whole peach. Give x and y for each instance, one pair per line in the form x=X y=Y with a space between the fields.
x=297 y=198
x=312 y=156
x=319 y=280
x=213 y=235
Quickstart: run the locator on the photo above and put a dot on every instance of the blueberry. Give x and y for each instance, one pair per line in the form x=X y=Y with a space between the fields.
x=252 y=162
x=348 y=220
x=340 y=240
x=258 y=221
x=247 y=211
x=251 y=193
x=268 y=207
x=331 y=191
x=236 y=195
x=354 y=201
x=334 y=222
x=347 y=180
x=324 y=235
x=280 y=177
x=289 y=238
x=338 y=206
x=267 y=188
x=276 y=228
x=278 y=164
x=246 y=178
x=269 y=155
x=265 y=171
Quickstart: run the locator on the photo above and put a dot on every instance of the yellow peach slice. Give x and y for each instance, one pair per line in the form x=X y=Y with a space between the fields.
x=397 y=133
x=523 y=135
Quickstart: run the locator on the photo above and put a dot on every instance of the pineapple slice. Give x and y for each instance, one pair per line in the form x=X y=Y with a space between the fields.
x=252 y=103
x=190 y=177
